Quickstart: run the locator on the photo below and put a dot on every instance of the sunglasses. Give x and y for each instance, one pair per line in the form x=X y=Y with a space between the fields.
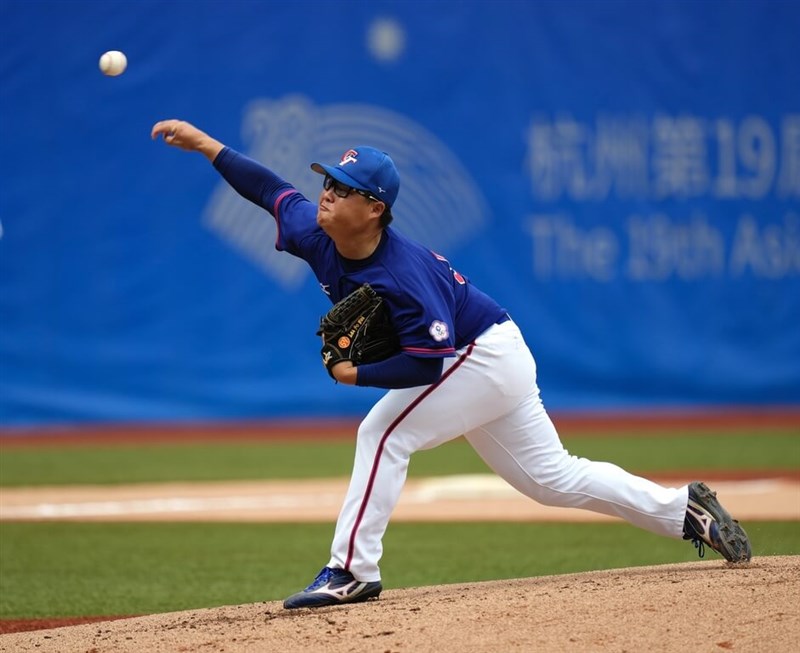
x=343 y=190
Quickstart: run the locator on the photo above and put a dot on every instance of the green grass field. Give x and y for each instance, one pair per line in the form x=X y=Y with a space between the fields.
x=74 y=569
x=128 y=463
x=60 y=569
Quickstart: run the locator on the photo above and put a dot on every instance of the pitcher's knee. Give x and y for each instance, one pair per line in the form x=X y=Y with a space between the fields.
x=558 y=482
x=373 y=443
x=371 y=430
x=397 y=449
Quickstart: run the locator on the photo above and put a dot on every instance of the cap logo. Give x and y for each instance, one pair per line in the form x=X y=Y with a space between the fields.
x=351 y=156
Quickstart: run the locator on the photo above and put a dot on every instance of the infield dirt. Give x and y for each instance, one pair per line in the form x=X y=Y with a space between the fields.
x=698 y=606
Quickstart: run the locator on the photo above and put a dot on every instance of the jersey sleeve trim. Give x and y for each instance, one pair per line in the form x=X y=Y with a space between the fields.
x=427 y=351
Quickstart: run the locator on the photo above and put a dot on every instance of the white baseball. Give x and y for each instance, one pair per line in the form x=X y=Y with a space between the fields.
x=113 y=63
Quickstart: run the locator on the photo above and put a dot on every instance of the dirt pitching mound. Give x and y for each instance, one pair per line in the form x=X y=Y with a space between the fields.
x=703 y=606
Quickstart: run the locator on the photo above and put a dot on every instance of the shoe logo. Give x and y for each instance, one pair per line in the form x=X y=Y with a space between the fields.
x=343 y=593
x=704 y=521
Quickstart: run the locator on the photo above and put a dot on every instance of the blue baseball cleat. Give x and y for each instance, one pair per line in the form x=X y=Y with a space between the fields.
x=707 y=522
x=333 y=587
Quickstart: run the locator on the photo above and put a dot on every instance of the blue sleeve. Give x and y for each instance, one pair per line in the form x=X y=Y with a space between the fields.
x=294 y=215
x=400 y=371
x=252 y=180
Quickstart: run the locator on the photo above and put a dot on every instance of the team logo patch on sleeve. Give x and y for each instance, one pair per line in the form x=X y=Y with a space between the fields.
x=439 y=331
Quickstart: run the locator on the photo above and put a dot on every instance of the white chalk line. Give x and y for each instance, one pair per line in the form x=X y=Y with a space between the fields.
x=473 y=487
x=166 y=505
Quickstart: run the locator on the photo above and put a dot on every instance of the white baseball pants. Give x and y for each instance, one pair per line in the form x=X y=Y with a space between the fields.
x=488 y=393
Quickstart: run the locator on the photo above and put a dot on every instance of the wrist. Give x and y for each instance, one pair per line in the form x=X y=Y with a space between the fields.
x=345 y=372
x=210 y=148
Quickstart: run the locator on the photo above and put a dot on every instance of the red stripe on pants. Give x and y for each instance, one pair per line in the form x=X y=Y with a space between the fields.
x=379 y=452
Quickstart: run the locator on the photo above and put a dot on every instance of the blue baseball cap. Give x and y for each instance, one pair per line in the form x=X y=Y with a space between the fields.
x=368 y=169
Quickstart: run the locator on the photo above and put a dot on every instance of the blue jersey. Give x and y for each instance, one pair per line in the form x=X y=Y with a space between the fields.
x=434 y=309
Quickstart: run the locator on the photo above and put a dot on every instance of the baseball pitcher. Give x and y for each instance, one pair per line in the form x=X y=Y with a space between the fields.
x=453 y=361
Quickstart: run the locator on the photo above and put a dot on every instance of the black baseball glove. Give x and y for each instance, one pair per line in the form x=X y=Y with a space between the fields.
x=357 y=329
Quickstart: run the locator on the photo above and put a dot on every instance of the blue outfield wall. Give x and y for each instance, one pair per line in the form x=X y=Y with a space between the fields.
x=623 y=176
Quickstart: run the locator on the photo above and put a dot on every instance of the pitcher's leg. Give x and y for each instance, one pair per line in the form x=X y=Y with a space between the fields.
x=524 y=448
x=379 y=473
x=402 y=422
